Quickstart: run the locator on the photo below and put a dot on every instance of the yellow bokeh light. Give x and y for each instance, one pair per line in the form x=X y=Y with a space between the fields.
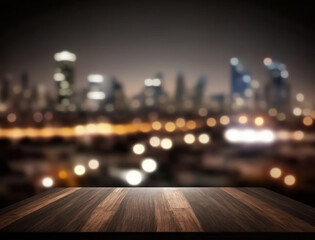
x=298 y=135
x=79 y=170
x=224 y=120
x=289 y=180
x=307 y=121
x=191 y=124
x=170 y=127
x=211 y=122
x=259 y=121
x=62 y=174
x=180 y=122
x=156 y=125
x=275 y=172
x=242 y=119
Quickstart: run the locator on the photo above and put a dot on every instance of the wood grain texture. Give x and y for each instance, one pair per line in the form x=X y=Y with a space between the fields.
x=158 y=210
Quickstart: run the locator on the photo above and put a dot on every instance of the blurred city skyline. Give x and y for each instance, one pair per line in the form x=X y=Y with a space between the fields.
x=134 y=41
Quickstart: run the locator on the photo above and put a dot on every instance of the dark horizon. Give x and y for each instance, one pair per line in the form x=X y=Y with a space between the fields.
x=136 y=40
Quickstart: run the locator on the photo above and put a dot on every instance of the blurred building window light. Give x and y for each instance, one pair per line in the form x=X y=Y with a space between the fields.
x=306 y=111
x=300 y=97
x=96 y=95
x=11 y=117
x=297 y=111
x=59 y=77
x=234 y=61
x=272 y=112
x=95 y=78
x=65 y=56
x=202 y=112
x=267 y=61
x=255 y=83
x=284 y=74
x=38 y=117
x=281 y=116
x=298 y=135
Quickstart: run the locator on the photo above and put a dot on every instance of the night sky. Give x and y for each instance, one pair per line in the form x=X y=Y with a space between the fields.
x=134 y=40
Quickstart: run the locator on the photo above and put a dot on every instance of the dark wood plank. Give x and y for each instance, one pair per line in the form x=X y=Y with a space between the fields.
x=218 y=211
x=182 y=211
x=158 y=209
x=29 y=199
x=164 y=216
x=136 y=212
x=69 y=213
x=295 y=208
x=30 y=207
x=105 y=211
x=279 y=217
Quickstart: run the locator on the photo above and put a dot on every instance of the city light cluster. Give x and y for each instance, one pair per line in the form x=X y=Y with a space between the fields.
x=249 y=135
x=288 y=180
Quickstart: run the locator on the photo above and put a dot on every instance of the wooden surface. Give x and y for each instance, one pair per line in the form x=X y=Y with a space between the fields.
x=158 y=210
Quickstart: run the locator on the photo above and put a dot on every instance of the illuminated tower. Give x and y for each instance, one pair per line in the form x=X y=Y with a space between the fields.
x=278 y=91
x=240 y=79
x=64 y=78
x=96 y=92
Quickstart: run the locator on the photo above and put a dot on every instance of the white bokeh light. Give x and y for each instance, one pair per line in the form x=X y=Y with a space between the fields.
x=134 y=177
x=149 y=165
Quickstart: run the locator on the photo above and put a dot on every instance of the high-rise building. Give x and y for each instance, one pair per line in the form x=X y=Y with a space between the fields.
x=240 y=79
x=180 y=92
x=242 y=93
x=278 y=90
x=199 y=91
x=96 y=92
x=64 y=78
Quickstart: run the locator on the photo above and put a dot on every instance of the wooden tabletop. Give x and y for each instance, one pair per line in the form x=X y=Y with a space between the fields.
x=158 y=210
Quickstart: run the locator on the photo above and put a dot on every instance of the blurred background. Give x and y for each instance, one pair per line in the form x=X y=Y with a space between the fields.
x=153 y=93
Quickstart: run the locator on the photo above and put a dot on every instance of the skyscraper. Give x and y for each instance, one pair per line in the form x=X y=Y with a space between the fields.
x=64 y=78
x=96 y=92
x=199 y=91
x=241 y=90
x=179 y=92
x=240 y=79
x=278 y=90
